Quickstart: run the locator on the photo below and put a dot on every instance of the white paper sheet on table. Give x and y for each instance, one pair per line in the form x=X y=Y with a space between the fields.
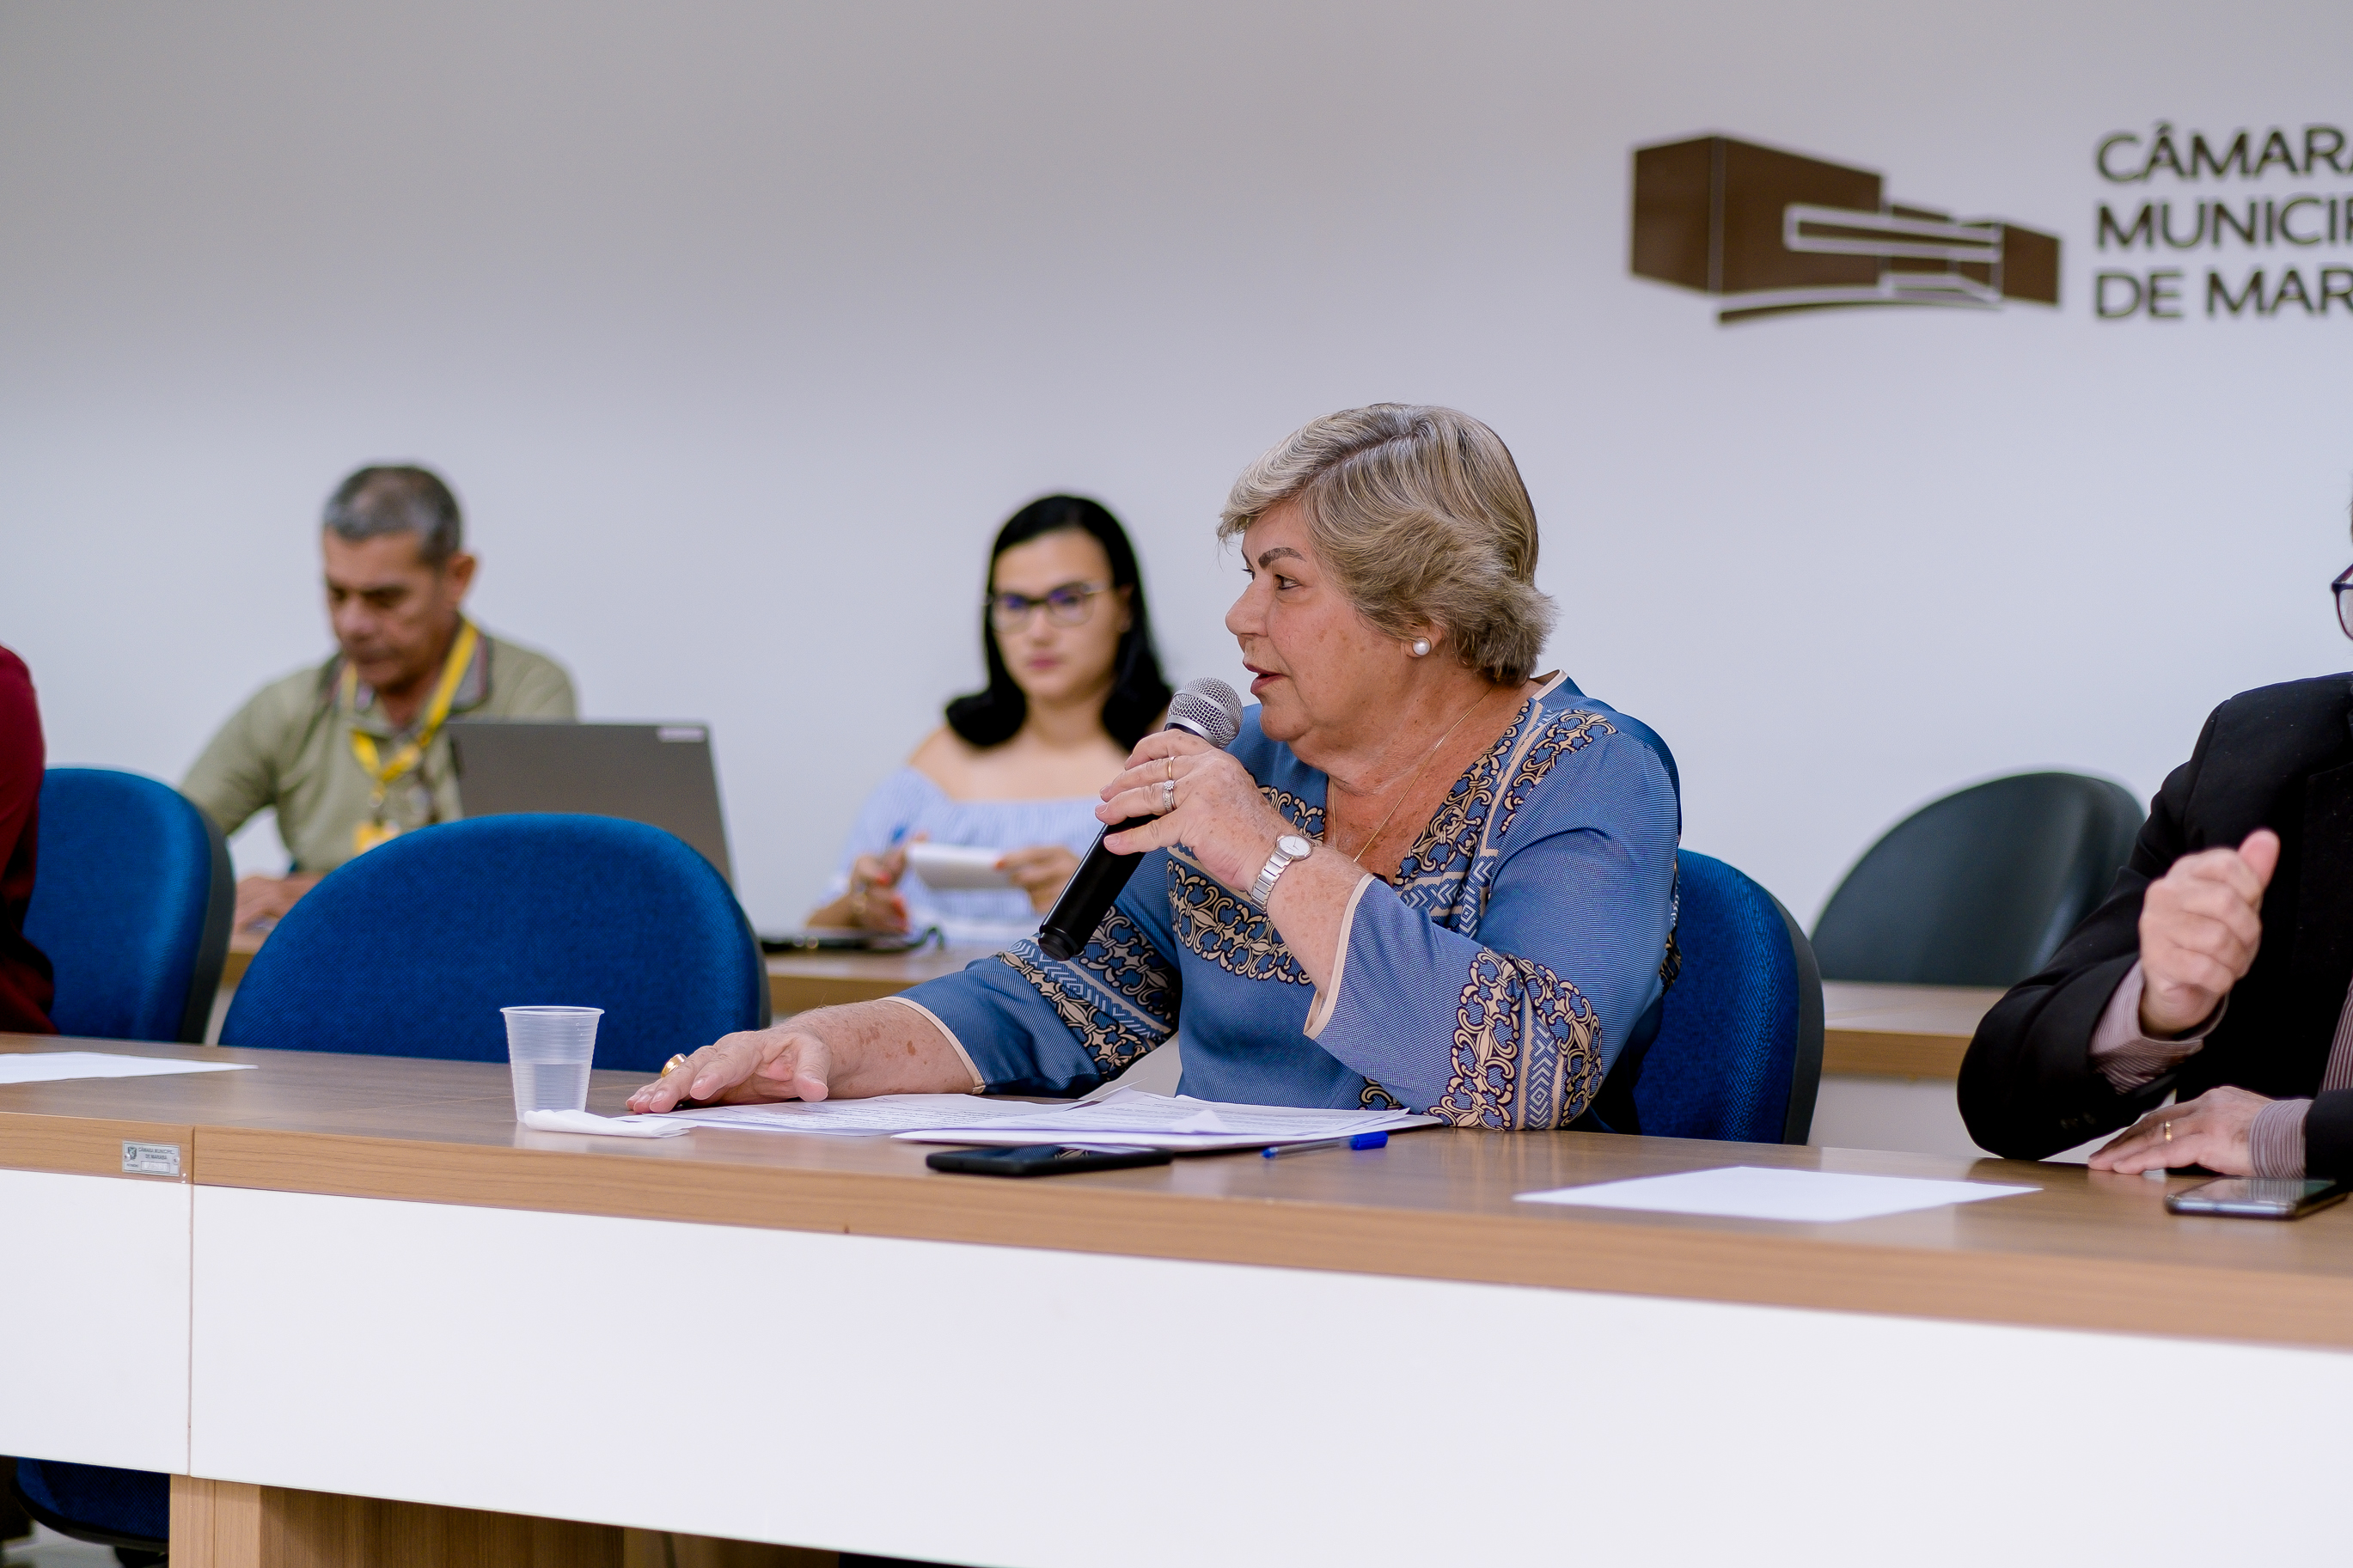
x=54 y=1066
x=1750 y=1192
x=1123 y=1116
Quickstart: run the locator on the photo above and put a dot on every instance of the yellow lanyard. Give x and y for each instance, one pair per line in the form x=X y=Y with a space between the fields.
x=368 y=835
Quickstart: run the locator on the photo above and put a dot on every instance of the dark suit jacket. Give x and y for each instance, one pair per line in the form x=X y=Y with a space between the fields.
x=2282 y=758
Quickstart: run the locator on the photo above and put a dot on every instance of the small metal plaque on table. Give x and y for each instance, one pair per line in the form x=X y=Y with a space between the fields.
x=150 y=1159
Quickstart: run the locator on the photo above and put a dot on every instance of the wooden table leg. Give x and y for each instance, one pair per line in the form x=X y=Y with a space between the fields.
x=227 y=1524
x=215 y=1524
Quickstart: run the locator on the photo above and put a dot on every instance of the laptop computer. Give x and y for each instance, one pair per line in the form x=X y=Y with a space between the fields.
x=657 y=774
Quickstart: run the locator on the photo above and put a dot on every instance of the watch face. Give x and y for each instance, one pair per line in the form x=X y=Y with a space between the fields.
x=1291 y=844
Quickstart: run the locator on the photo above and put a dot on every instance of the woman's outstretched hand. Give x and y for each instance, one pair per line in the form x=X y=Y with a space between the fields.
x=750 y=1069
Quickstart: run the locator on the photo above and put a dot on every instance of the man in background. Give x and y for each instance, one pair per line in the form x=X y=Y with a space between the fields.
x=353 y=753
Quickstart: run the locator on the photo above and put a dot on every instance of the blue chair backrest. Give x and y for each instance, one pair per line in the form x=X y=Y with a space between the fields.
x=131 y=899
x=412 y=949
x=1739 y=1050
x=97 y=1502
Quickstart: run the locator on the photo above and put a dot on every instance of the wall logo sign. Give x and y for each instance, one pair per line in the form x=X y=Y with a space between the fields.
x=2202 y=235
x=1772 y=232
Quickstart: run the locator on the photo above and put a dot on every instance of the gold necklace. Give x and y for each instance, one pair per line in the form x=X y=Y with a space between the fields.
x=1415 y=777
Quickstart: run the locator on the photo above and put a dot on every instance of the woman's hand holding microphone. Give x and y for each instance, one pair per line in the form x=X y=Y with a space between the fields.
x=1196 y=796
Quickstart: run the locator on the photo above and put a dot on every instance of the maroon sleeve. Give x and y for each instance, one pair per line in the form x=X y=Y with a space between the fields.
x=24 y=974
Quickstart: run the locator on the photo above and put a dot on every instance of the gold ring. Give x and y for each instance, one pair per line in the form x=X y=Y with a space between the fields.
x=1172 y=768
x=673 y=1065
x=2168 y=1129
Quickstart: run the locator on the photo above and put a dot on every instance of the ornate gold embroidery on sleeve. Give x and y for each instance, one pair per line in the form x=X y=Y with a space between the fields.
x=1227 y=930
x=1478 y=809
x=1120 y=1003
x=1526 y=1051
x=1308 y=819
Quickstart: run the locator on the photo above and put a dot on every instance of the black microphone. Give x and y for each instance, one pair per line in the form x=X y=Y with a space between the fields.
x=1206 y=708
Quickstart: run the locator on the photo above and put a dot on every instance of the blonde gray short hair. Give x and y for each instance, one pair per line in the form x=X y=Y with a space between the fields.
x=1419 y=514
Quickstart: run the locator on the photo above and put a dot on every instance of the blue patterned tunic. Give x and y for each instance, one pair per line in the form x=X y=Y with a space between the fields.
x=1492 y=983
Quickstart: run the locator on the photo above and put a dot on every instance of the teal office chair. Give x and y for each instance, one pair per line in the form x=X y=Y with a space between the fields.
x=1981 y=886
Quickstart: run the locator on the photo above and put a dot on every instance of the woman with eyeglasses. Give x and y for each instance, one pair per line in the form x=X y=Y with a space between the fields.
x=1073 y=683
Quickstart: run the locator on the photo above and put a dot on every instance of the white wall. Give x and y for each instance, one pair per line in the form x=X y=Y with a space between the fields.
x=740 y=327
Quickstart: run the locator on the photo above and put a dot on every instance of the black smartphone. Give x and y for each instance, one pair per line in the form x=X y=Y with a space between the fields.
x=2256 y=1198
x=1042 y=1160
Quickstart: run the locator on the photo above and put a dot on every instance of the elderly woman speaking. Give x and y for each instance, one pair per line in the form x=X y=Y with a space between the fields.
x=1419 y=877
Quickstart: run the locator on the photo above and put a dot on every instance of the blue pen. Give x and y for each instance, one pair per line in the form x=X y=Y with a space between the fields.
x=1360 y=1141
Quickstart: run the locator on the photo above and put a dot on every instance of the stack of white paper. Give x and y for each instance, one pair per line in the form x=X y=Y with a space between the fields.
x=1134 y=1118
x=857 y=1118
x=1126 y=1117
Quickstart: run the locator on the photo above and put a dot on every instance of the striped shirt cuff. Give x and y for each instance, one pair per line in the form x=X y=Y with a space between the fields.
x=2275 y=1142
x=2129 y=1059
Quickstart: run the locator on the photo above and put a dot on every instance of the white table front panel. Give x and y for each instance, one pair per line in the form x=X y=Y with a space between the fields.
x=1059 y=1410
x=94 y=1319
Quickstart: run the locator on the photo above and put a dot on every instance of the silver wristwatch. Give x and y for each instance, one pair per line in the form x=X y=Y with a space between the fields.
x=1287 y=848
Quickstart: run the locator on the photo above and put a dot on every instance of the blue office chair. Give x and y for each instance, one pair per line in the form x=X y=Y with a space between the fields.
x=1739 y=1054
x=412 y=949
x=132 y=898
x=129 y=1511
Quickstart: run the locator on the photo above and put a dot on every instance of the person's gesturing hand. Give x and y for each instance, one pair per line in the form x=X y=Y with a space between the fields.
x=1041 y=870
x=750 y=1069
x=1202 y=798
x=2200 y=924
x=2212 y=1130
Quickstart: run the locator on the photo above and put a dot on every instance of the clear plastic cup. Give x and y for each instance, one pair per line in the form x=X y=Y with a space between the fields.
x=549 y=1050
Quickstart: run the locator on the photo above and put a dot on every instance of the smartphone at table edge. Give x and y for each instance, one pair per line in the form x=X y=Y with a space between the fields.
x=2256 y=1198
x=1042 y=1160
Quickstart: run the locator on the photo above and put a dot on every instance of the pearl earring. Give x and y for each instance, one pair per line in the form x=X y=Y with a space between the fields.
x=1421 y=646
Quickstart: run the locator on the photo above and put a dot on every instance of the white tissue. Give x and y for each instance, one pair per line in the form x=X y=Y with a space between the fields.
x=605 y=1126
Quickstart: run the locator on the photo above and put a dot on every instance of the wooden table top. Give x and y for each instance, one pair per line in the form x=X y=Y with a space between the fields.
x=2087 y=1250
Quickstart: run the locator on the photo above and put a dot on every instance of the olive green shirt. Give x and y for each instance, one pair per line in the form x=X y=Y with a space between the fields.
x=290 y=747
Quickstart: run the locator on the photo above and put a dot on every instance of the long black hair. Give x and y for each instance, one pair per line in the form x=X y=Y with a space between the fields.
x=1139 y=692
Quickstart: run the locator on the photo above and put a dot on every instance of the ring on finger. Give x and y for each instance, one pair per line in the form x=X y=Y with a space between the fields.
x=2168 y=1129
x=673 y=1065
x=1168 y=796
x=1172 y=769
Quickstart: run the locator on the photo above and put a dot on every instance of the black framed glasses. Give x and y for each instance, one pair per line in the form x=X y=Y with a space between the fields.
x=1068 y=604
x=2344 y=610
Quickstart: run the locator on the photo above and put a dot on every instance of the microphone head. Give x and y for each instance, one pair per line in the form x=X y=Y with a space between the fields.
x=1209 y=707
